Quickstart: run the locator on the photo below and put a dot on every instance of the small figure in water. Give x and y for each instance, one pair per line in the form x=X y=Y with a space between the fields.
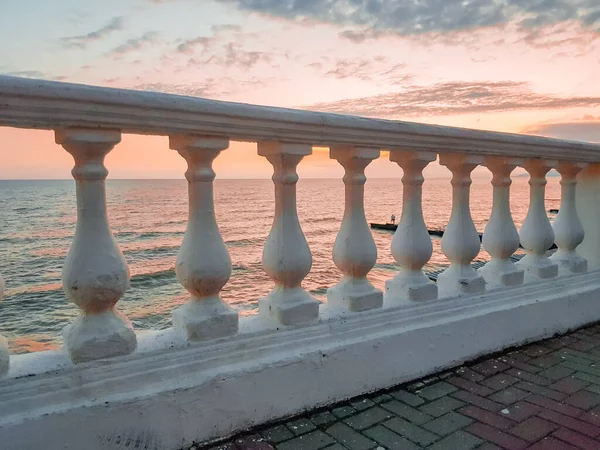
x=393 y=219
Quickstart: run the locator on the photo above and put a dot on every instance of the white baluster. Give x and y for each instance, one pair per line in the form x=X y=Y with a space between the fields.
x=500 y=238
x=568 y=231
x=95 y=274
x=460 y=242
x=203 y=264
x=4 y=353
x=536 y=233
x=411 y=244
x=286 y=256
x=354 y=252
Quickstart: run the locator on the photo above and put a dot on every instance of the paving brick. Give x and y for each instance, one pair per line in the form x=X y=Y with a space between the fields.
x=530 y=377
x=499 y=381
x=490 y=367
x=593 y=388
x=476 y=400
x=441 y=406
x=576 y=439
x=587 y=377
x=487 y=417
x=540 y=390
x=554 y=406
x=533 y=429
x=535 y=350
x=410 y=431
x=362 y=404
x=343 y=411
x=519 y=411
x=277 y=434
x=546 y=361
x=226 y=446
x=407 y=397
x=550 y=443
x=252 y=442
x=592 y=417
x=336 y=446
x=579 y=357
x=386 y=437
x=521 y=365
x=509 y=395
x=469 y=374
x=595 y=371
x=436 y=390
x=323 y=419
x=367 y=418
x=569 y=385
x=448 y=423
x=556 y=372
x=582 y=346
x=350 y=438
x=584 y=400
x=382 y=398
x=576 y=424
x=459 y=440
x=496 y=436
x=489 y=446
x=301 y=426
x=470 y=386
x=311 y=441
x=407 y=412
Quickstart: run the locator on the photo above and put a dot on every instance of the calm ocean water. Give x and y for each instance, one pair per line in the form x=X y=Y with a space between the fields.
x=148 y=218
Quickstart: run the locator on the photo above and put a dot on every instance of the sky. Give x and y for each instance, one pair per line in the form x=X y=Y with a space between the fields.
x=524 y=66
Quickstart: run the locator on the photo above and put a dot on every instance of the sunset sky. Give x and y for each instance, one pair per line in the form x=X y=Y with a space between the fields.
x=527 y=66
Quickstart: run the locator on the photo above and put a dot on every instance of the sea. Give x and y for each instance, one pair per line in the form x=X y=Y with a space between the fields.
x=148 y=219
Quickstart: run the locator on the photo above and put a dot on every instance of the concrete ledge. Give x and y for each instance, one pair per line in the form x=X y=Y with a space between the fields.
x=165 y=398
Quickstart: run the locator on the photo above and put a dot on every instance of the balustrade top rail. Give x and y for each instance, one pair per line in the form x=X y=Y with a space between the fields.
x=30 y=103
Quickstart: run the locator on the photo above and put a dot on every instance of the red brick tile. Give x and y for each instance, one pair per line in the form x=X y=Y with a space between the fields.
x=584 y=400
x=489 y=446
x=533 y=429
x=592 y=417
x=470 y=386
x=554 y=406
x=487 y=417
x=582 y=346
x=476 y=400
x=569 y=422
x=509 y=395
x=521 y=365
x=550 y=443
x=546 y=361
x=535 y=350
x=490 y=367
x=569 y=385
x=519 y=411
x=253 y=443
x=496 y=436
x=576 y=439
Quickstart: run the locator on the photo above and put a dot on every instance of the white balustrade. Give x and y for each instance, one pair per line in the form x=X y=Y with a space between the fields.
x=500 y=238
x=536 y=233
x=411 y=244
x=4 y=353
x=568 y=231
x=286 y=256
x=203 y=264
x=95 y=274
x=354 y=251
x=460 y=243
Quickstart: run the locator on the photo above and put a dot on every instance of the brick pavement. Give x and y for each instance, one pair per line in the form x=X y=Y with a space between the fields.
x=543 y=396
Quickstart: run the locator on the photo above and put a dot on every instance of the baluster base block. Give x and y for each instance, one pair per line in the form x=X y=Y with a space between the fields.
x=4 y=356
x=572 y=264
x=205 y=319
x=355 y=295
x=501 y=274
x=411 y=288
x=289 y=306
x=536 y=268
x=460 y=280
x=97 y=336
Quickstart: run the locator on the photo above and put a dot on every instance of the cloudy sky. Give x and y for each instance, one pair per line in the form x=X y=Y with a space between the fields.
x=527 y=66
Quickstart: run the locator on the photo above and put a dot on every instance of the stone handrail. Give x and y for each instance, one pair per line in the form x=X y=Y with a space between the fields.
x=88 y=122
